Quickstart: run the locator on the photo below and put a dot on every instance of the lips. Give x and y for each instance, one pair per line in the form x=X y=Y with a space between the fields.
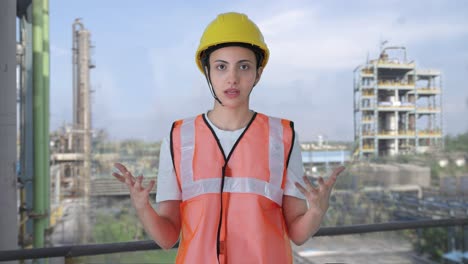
x=232 y=93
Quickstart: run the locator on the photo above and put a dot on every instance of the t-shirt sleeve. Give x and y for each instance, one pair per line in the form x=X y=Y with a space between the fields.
x=295 y=171
x=167 y=187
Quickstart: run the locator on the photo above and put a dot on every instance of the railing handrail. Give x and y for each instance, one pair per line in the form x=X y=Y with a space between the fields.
x=98 y=249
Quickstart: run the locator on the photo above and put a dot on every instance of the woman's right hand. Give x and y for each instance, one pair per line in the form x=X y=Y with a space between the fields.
x=138 y=194
x=163 y=226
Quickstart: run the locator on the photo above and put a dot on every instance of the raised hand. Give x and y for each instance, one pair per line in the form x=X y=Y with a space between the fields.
x=138 y=193
x=318 y=197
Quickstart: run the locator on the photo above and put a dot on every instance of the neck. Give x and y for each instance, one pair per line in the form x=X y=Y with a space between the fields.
x=230 y=119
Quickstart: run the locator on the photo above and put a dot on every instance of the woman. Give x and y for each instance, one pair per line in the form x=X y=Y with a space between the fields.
x=229 y=181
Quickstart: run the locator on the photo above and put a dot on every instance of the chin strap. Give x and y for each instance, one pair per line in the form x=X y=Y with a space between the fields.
x=207 y=72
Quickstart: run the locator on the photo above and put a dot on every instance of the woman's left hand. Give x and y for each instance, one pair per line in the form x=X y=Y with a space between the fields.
x=318 y=197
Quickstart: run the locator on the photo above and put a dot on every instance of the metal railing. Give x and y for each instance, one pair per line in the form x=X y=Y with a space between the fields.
x=98 y=249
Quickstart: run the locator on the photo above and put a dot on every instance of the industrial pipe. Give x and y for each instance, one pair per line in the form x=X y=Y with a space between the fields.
x=8 y=204
x=39 y=210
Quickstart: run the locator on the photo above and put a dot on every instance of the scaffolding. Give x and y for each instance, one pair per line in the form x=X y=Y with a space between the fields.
x=397 y=106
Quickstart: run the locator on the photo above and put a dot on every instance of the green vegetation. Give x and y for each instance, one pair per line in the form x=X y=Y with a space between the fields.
x=455 y=147
x=121 y=227
x=458 y=143
x=433 y=242
x=120 y=224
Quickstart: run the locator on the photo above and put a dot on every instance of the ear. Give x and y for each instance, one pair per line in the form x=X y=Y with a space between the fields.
x=259 y=74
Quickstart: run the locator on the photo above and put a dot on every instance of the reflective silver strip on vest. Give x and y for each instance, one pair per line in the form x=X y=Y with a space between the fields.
x=187 y=134
x=276 y=158
x=234 y=185
x=196 y=188
x=253 y=185
x=271 y=190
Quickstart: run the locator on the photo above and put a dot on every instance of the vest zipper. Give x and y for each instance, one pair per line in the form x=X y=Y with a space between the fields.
x=218 y=237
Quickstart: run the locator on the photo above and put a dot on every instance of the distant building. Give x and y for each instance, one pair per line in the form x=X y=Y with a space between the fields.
x=322 y=157
x=397 y=107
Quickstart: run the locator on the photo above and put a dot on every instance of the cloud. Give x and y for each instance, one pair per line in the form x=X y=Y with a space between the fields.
x=313 y=55
x=314 y=49
x=289 y=20
x=301 y=39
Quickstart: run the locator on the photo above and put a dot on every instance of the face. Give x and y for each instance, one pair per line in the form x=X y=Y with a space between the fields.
x=233 y=73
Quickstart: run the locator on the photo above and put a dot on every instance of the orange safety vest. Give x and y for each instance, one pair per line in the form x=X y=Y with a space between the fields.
x=245 y=224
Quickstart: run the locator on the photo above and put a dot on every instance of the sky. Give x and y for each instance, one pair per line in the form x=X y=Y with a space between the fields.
x=146 y=76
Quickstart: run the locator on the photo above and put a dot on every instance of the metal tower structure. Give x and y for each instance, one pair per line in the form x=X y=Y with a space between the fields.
x=82 y=103
x=71 y=145
x=397 y=106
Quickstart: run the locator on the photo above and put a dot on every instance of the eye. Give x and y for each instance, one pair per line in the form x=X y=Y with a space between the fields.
x=221 y=67
x=244 y=67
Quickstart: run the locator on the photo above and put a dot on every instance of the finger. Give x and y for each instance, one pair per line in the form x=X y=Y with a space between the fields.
x=338 y=170
x=332 y=180
x=301 y=189
x=120 y=167
x=138 y=182
x=119 y=177
x=323 y=185
x=150 y=186
x=321 y=181
x=140 y=179
x=308 y=184
x=130 y=177
x=129 y=183
x=125 y=172
x=305 y=191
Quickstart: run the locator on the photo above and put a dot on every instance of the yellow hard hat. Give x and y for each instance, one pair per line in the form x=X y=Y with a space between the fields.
x=231 y=28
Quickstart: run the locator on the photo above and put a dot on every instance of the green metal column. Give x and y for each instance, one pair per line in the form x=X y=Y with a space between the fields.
x=8 y=136
x=46 y=78
x=38 y=121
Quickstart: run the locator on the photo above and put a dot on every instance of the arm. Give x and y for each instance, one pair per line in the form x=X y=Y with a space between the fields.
x=303 y=222
x=163 y=226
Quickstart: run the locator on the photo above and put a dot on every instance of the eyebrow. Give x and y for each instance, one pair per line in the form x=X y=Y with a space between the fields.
x=241 y=61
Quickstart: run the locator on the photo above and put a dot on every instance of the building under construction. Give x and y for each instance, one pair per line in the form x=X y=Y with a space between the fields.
x=397 y=106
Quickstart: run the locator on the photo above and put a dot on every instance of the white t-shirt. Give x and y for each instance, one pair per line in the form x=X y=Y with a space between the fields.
x=168 y=189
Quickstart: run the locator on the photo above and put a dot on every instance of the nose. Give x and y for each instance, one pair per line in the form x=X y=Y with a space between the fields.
x=232 y=76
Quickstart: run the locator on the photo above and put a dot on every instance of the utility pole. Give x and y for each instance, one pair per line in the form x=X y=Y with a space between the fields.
x=8 y=201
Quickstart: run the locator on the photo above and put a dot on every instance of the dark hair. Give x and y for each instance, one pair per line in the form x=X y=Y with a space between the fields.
x=259 y=54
